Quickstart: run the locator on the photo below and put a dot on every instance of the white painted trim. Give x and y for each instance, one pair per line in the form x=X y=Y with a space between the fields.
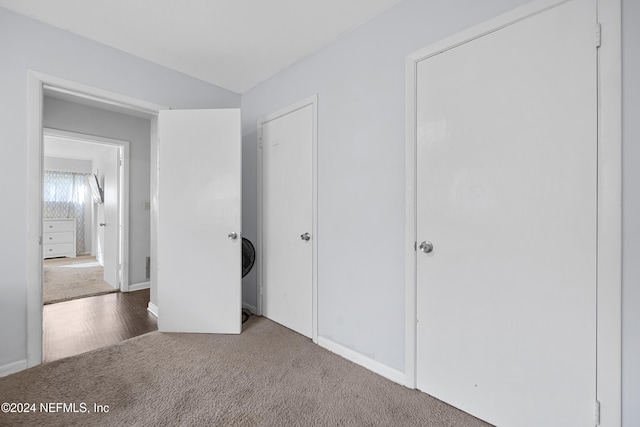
x=152 y=308
x=492 y=25
x=410 y=342
x=609 y=346
x=12 y=368
x=124 y=188
x=314 y=227
x=34 y=221
x=36 y=82
x=366 y=362
x=259 y=244
x=609 y=324
x=138 y=286
x=251 y=308
x=79 y=90
x=154 y=169
x=313 y=101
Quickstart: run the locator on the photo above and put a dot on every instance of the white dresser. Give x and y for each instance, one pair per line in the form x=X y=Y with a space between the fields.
x=59 y=238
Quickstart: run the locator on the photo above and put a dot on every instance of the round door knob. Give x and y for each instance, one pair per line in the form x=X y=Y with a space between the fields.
x=233 y=235
x=426 y=247
x=306 y=237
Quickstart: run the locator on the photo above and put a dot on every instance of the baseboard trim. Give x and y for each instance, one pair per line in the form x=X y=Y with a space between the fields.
x=364 y=361
x=249 y=307
x=152 y=308
x=139 y=286
x=14 y=367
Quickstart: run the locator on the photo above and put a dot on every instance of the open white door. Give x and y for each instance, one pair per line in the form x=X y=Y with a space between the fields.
x=108 y=227
x=199 y=220
x=111 y=220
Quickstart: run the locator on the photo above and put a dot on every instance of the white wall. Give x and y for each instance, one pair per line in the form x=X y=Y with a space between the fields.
x=359 y=80
x=68 y=116
x=360 y=83
x=27 y=44
x=249 y=222
x=630 y=213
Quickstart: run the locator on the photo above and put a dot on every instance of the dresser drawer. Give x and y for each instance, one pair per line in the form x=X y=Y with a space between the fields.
x=55 y=226
x=54 y=238
x=61 y=249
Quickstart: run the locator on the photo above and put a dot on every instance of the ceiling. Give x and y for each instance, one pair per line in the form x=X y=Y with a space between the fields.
x=235 y=44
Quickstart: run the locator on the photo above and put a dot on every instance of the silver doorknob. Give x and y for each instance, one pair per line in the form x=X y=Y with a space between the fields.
x=233 y=235
x=426 y=247
x=103 y=224
x=306 y=237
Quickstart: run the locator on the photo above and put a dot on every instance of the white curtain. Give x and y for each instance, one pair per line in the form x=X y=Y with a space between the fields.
x=65 y=197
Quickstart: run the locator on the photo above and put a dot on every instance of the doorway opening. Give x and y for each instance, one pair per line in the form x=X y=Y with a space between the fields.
x=40 y=86
x=86 y=241
x=85 y=189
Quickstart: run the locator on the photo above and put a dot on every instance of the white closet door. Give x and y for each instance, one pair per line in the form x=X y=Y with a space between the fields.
x=506 y=194
x=287 y=219
x=199 y=221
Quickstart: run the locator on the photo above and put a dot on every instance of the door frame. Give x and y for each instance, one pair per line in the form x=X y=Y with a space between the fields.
x=37 y=82
x=313 y=101
x=609 y=221
x=123 y=195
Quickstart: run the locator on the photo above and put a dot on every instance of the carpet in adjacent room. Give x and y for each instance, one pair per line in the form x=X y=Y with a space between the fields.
x=71 y=278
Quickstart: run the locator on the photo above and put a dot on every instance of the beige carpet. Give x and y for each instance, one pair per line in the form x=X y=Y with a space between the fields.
x=267 y=376
x=72 y=278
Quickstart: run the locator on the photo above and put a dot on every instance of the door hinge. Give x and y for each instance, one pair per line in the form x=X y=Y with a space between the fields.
x=415 y=246
x=598 y=34
x=40 y=240
x=597 y=412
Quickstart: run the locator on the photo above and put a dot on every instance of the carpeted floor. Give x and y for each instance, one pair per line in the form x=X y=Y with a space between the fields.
x=71 y=278
x=267 y=376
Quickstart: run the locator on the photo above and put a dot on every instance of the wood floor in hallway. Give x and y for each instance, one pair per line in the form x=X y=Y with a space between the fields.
x=77 y=326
